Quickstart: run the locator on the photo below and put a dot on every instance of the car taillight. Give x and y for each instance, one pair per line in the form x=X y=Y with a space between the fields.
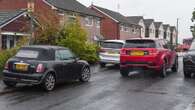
x=40 y=68
x=123 y=52
x=154 y=52
x=6 y=66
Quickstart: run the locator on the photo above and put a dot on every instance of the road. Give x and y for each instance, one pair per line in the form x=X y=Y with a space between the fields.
x=107 y=90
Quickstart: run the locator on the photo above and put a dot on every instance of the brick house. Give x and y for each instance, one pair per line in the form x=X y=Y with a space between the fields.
x=65 y=10
x=167 y=32
x=116 y=26
x=13 y=25
x=173 y=35
x=150 y=28
x=159 y=30
x=139 y=20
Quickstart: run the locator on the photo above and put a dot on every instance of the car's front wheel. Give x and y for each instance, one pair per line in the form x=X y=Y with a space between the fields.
x=10 y=83
x=49 y=82
x=85 y=75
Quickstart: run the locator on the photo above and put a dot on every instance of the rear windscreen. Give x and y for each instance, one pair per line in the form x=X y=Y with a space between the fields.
x=140 y=44
x=32 y=54
x=114 y=45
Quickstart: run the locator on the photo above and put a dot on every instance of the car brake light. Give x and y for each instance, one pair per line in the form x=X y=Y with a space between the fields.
x=40 y=68
x=6 y=66
x=123 y=52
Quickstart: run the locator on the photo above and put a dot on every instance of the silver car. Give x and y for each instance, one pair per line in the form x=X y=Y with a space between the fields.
x=110 y=52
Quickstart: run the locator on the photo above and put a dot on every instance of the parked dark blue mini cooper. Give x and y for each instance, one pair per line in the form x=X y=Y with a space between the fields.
x=45 y=66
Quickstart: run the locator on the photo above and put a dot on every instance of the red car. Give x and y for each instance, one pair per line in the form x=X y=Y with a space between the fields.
x=157 y=55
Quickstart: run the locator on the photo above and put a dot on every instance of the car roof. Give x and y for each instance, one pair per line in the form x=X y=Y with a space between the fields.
x=146 y=39
x=46 y=47
x=119 y=41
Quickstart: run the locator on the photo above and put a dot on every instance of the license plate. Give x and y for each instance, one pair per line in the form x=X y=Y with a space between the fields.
x=21 y=67
x=137 y=53
x=112 y=53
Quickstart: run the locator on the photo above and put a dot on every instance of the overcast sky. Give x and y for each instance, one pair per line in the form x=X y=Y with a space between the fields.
x=166 y=11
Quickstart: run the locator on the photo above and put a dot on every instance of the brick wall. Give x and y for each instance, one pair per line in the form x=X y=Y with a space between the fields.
x=109 y=28
x=22 y=24
x=12 y=4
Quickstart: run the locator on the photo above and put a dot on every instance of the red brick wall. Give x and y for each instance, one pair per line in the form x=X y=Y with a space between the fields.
x=109 y=28
x=22 y=24
x=12 y=4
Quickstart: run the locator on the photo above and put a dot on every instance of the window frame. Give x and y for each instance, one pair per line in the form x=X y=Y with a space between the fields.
x=63 y=59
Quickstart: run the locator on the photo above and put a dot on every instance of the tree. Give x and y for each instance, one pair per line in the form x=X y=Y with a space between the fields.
x=74 y=37
x=50 y=26
x=192 y=28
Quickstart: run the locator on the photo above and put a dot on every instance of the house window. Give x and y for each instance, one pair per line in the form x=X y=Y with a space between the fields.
x=121 y=28
x=71 y=17
x=134 y=30
x=4 y=42
x=98 y=23
x=125 y=28
x=88 y=21
x=8 y=42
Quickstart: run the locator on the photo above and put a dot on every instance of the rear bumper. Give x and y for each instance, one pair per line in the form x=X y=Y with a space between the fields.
x=23 y=78
x=110 y=61
x=144 y=66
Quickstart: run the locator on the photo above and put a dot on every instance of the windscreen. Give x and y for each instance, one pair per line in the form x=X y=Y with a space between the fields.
x=32 y=54
x=114 y=45
x=140 y=44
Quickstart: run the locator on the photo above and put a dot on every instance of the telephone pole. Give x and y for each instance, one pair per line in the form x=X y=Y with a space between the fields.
x=177 y=37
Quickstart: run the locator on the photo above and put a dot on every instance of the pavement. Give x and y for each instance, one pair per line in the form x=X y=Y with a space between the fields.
x=107 y=90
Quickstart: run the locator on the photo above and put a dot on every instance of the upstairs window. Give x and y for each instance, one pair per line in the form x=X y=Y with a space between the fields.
x=121 y=28
x=71 y=17
x=126 y=29
x=89 y=21
x=98 y=23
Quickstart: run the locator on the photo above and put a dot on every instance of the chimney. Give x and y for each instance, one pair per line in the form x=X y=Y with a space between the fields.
x=31 y=5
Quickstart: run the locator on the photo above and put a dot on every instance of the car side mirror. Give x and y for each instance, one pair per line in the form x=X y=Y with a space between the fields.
x=77 y=58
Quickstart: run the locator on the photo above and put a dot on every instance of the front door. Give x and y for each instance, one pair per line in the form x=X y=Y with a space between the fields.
x=66 y=64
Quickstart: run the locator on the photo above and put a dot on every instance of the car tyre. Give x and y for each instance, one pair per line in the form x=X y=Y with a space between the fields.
x=163 y=71
x=124 y=72
x=10 y=83
x=49 y=82
x=102 y=65
x=175 y=66
x=187 y=74
x=85 y=75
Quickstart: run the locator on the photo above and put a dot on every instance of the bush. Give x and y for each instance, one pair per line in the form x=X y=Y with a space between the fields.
x=74 y=37
x=6 y=54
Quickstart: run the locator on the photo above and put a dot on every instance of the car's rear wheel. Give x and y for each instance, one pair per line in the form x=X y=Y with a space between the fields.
x=85 y=75
x=10 y=83
x=124 y=72
x=175 y=66
x=163 y=71
x=102 y=64
x=49 y=82
x=187 y=74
